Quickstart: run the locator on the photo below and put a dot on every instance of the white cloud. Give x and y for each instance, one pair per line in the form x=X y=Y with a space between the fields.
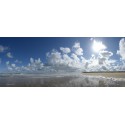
x=34 y=65
x=77 y=49
x=105 y=54
x=18 y=61
x=3 y=48
x=12 y=67
x=73 y=59
x=65 y=50
x=92 y=63
x=9 y=55
x=121 y=50
x=31 y=60
x=104 y=58
x=67 y=60
x=54 y=58
x=76 y=45
x=101 y=62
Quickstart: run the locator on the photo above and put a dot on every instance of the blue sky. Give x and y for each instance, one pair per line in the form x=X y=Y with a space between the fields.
x=23 y=48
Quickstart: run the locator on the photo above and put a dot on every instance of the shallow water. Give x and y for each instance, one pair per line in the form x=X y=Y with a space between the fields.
x=67 y=80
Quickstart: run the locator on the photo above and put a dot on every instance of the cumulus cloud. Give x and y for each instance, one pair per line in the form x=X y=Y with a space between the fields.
x=3 y=48
x=104 y=58
x=12 y=67
x=65 y=50
x=68 y=58
x=9 y=55
x=54 y=58
x=121 y=50
x=33 y=65
x=106 y=54
x=77 y=49
x=101 y=62
x=92 y=64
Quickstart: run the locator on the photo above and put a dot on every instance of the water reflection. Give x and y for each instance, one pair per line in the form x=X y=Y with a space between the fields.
x=59 y=81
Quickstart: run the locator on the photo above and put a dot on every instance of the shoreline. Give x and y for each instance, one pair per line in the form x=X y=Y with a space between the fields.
x=106 y=74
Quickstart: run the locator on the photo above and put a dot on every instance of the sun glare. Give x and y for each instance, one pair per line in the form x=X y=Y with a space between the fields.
x=98 y=46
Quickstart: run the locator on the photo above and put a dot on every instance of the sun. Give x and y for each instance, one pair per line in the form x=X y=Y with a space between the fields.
x=98 y=46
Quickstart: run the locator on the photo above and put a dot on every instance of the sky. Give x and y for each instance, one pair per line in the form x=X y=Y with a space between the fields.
x=21 y=54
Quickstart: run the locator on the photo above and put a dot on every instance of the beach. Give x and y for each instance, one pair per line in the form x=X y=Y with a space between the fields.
x=70 y=80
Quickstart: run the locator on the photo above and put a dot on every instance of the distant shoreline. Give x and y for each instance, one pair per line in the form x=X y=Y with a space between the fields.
x=119 y=74
x=106 y=72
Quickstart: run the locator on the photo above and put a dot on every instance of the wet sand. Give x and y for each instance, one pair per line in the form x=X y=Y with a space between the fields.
x=79 y=80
